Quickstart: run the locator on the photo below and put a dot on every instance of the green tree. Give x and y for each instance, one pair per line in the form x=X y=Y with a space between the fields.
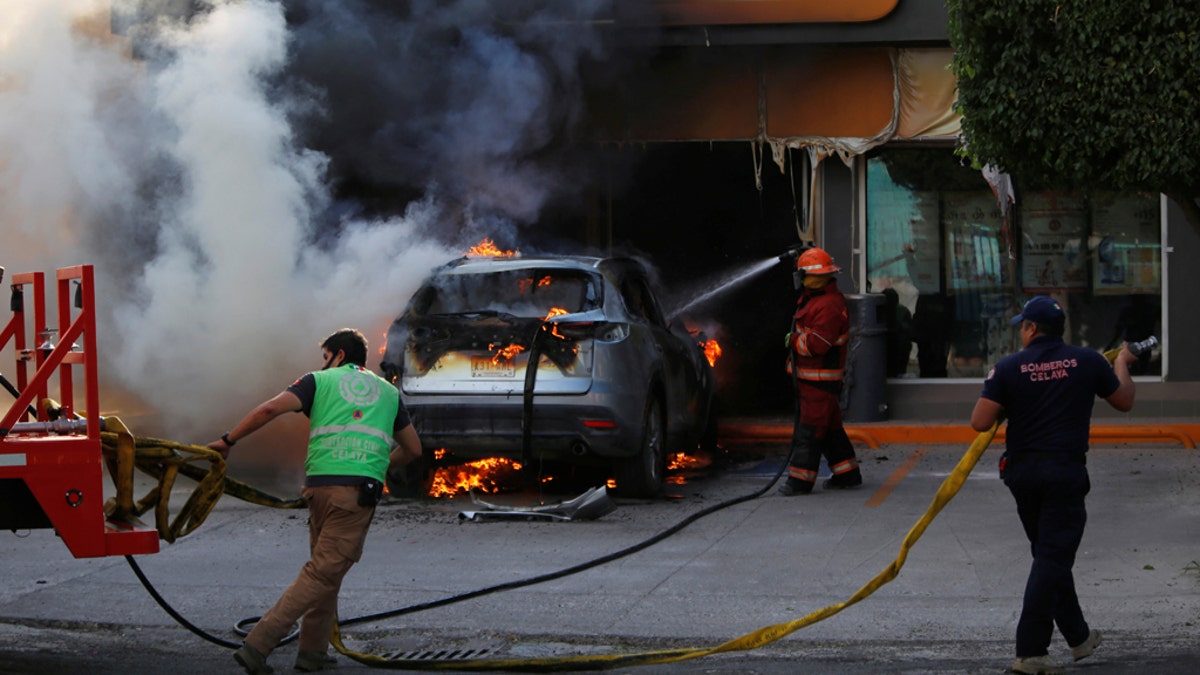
x=1095 y=95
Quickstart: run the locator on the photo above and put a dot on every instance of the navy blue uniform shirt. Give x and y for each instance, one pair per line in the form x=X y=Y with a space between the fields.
x=1048 y=390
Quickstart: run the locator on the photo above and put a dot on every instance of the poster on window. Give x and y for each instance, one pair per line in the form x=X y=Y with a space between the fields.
x=1127 y=250
x=972 y=223
x=1053 y=234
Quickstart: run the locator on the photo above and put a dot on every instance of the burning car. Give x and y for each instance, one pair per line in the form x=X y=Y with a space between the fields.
x=551 y=359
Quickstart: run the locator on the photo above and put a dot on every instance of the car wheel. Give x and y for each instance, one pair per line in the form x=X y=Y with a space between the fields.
x=642 y=475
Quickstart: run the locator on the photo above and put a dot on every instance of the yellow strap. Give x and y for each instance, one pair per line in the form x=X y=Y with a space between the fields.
x=950 y=487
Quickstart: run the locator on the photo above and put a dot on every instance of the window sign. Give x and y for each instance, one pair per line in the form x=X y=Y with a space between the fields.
x=1053 y=231
x=1125 y=236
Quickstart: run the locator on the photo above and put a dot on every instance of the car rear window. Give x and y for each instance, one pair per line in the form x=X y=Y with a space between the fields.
x=529 y=293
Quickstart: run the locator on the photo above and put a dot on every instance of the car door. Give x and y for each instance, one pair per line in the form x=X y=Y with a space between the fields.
x=677 y=356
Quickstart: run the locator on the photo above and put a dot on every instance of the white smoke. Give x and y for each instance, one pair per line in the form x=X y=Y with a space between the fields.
x=186 y=188
x=199 y=159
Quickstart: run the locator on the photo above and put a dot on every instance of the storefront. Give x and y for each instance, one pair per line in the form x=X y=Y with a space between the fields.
x=859 y=118
x=937 y=235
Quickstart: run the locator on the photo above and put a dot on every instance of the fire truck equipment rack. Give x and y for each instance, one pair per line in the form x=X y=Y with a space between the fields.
x=51 y=468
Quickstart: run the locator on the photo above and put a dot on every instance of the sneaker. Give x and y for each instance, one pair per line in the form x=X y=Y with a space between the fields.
x=311 y=662
x=1085 y=648
x=795 y=487
x=1037 y=665
x=252 y=660
x=842 y=483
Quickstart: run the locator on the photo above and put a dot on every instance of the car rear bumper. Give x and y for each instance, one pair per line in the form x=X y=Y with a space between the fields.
x=567 y=431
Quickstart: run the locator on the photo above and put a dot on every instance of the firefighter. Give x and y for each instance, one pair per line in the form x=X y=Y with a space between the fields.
x=1047 y=391
x=359 y=432
x=816 y=361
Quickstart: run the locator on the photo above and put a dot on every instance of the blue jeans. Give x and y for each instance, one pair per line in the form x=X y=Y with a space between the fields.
x=1050 y=492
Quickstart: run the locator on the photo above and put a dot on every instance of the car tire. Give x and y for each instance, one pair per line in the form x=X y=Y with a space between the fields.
x=642 y=475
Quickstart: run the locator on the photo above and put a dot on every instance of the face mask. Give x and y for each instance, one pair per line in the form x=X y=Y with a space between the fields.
x=329 y=362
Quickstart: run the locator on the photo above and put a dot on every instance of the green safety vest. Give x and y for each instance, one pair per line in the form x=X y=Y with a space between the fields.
x=351 y=422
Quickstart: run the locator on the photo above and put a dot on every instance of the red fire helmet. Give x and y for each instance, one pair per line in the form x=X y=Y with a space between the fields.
x=816 y=261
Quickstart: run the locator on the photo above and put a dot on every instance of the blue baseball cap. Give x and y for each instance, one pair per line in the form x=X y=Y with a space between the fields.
x=1040 y=309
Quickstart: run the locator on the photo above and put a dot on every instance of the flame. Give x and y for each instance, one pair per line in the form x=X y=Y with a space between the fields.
x=523 y=285
x=712 y=351
x=681 y=460
x=483 y=475
x=556 y=311
x=486 y=249
x=505 y=353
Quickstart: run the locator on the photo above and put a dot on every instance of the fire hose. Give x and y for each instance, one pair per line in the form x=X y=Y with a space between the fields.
x=166 y=460
x=753 y=640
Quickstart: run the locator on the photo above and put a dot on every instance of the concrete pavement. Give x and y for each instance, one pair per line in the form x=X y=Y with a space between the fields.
x=769 y=560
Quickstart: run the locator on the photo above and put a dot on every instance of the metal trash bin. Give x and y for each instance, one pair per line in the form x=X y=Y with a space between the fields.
x=862 y=397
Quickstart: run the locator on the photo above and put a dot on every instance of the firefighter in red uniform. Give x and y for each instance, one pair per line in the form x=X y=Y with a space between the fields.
x=817 y=360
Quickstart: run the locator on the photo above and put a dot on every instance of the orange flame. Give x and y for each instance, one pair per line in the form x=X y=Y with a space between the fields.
x=681 y=460
x=488 y=249
x=556 y=311
x=505 y=353
x=712 y=351
x=483 y=475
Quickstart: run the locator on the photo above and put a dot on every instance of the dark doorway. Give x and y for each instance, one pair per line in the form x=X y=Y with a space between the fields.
x=696 y=211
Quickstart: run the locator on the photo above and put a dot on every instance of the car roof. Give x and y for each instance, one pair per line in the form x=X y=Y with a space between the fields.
x=478 y=264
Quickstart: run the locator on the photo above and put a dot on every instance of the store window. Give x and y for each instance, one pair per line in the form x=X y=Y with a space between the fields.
x=957 y=272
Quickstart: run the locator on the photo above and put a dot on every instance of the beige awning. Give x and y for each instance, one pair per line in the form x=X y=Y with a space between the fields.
x=842 y=100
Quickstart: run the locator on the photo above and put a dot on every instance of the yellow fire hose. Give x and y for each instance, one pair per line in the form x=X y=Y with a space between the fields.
x=166 y=459
x=950 y=486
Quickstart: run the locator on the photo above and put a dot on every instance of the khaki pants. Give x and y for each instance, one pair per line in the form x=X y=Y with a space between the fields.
x=337 y=528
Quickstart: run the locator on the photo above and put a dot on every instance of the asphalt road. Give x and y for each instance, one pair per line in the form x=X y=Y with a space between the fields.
x=760 y=562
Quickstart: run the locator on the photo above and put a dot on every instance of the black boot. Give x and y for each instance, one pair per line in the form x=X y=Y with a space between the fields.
x=844 y=481
x=793 y=487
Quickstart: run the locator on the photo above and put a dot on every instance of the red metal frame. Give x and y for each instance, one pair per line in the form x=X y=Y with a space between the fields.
x=63 y=470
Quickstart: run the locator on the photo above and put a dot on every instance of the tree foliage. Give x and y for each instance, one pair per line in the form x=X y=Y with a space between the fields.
x=1096 y=95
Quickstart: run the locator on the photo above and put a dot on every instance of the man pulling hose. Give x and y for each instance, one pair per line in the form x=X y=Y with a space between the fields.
x=1046 y=391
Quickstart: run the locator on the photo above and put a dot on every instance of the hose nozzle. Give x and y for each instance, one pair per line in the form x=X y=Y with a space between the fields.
x=1139 y=348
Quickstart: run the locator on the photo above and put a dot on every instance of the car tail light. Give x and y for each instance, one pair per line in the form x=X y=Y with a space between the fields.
x=605 y=425
x=612 y=332
x=602 y=331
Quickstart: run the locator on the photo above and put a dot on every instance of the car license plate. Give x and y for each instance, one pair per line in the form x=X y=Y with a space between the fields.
x=483 y=366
